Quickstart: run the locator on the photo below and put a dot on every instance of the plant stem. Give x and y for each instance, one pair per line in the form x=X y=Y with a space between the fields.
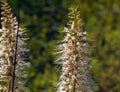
x=15 y=52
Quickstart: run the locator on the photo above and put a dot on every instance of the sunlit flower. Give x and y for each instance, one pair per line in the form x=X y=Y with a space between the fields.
x=74 y=76
x=7 y=50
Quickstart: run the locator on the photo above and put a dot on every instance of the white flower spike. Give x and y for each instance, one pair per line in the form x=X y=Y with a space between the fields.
x=74 y=76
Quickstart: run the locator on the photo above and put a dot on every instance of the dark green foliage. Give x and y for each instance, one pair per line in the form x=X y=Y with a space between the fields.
x=44 y=19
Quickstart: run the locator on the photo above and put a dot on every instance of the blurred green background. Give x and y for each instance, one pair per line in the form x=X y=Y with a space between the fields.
x=44 y=19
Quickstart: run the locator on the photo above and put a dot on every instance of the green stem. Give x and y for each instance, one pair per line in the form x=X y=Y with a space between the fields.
x=74 y=84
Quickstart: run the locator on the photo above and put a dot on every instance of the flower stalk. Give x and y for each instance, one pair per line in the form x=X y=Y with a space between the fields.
x=74 y=57
x=12 y=53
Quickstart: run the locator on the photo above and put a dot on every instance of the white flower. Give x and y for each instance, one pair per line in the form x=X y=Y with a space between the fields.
x=73 y=77
x=79 y=34
x=70 y=86
x=0 y=30
x=73 y=25
x=74 y=67
x=84 y=33
x=66 y=29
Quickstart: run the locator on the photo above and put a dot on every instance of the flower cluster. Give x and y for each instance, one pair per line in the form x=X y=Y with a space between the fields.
x=74 y=76
x=7 y=49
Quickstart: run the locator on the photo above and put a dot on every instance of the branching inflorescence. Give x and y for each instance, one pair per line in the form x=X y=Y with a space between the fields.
x=74 y=57
x=7 y=51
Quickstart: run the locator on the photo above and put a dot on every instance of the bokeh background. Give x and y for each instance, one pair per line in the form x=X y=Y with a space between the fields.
x=44 y=19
